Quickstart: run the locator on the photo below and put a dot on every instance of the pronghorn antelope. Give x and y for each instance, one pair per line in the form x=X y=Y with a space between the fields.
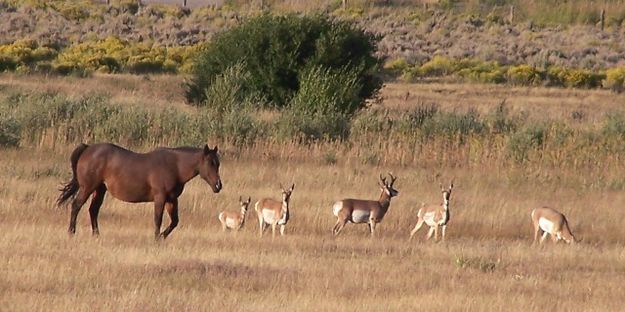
x=235 y=220
x=435 y=216
x=365 y=211
x=273 y=212
x=550 y=221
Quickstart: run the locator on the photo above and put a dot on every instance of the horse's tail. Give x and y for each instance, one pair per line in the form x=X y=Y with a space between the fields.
x=70 y=188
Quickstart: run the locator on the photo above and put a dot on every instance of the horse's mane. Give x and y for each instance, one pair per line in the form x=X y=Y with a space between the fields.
x=185 y=149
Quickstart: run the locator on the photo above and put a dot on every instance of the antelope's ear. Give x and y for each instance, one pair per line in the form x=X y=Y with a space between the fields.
x=292 y=187
x=207 y=150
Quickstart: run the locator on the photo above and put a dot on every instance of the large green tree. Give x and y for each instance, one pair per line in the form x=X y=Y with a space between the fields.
x=278 y=52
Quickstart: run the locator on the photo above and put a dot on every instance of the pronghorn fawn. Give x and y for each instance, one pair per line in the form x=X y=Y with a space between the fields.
x=272 y=212
x=365 y=211
x=435 y=216
x=551 y=222
x=235 y=220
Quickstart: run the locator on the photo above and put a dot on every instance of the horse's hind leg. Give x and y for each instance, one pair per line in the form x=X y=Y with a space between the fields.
x=94 y=208
x=172 y=210
x=78 y=202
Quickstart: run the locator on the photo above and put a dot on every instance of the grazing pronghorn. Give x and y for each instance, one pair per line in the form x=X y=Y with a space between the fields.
x=235 y=220
x=273 y=212
x=435 y=216
x=552 y=222
x=365 y=211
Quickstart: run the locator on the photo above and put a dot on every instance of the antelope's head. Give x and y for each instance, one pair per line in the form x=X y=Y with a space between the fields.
x=387 y=187
x=447 y=191
x=244 y=204
x=209 y=168
x=286 y=193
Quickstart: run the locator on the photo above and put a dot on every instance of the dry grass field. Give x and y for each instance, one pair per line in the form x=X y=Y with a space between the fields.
x=487 y=263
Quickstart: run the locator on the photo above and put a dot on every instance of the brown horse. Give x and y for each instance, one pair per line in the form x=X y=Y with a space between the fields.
x=158 y=176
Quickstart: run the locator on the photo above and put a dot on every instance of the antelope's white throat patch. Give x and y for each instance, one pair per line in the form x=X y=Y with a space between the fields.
x=360 y=216
x=545 y=225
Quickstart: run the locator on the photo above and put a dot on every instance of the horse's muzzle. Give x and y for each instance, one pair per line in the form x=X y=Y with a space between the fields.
x=218 y=186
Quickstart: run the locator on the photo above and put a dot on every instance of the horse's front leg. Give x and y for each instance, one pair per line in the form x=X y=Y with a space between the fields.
x=159 y=206
x=172 y=210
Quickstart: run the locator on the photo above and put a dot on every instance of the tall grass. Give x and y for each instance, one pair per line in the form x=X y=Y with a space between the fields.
x=420 y=136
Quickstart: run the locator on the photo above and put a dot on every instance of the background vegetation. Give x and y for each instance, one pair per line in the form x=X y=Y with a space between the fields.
x=161 y=38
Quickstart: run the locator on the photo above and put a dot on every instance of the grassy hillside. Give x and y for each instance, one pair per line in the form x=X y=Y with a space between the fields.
x=542 y=33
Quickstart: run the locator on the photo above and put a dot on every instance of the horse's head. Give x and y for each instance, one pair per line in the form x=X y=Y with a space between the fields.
x=209 y=168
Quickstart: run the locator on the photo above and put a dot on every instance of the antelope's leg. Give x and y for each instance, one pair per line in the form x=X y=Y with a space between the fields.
x=430 y=232
x=416 y=227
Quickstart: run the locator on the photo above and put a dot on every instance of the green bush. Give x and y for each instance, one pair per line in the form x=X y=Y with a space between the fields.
x=582 y=78
x=275 y=50
x=23 y=53
x=614 y=125
x=113 y=55
x=557 y=76
x=524 y=75
x=437 y=66
x=499 y=120
x=9 y=131
x=230 y=90
x=452 y=125
x=484 y=72
x=7 y=63
x=325 y=90
x=615 y=79
x=312 y=126
x=521 y=143
x=368 y=122
x=397 y=66
x=323 y=105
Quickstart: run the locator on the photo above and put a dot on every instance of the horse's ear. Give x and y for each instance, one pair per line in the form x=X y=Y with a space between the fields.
x=215 y=149
x=207 y=150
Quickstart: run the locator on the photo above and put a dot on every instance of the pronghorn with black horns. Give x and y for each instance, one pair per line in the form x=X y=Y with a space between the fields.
x=273 y=212
x=235 y=220
x=551 y=222
x=435 y=216
x=365 y=211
